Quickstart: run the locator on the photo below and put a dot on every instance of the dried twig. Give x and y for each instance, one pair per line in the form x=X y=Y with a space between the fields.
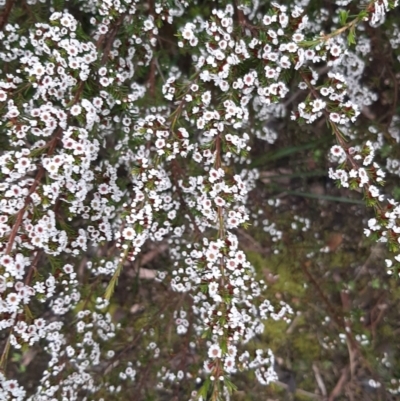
x=319 y=379
x=337 y=390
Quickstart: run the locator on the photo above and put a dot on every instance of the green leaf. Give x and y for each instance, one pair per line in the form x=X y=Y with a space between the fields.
x=113 y=282
x=351 y=37
x=343 y=15
x=229 y=385
x=281 y=153
x=204 y=389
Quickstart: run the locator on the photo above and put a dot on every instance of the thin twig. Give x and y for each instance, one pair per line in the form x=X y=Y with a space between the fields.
x=33 y=267
x=339 y=385
x=110 y=39
x=38 y=178
x=319 y=380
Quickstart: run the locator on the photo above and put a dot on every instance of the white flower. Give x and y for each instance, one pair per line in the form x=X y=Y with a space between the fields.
x=148 y=24
x=318 y=105
x=268 y=20
x=309 y=54
x=325 y=91
x=52 y=167
x=104 y=81
x=291 y=47
x=213 y=288
x=222 y=44
x=334 y=117
x=13 y=301
x=187 y=33
x=214 y=351
x=374 y=191
x=283 y=20
x=103 y=29
x=97 y=102
x=211 y=255
x=298 y=37
x=194 y=41
x=284 y=62
x=205 y=75
x=160 y=143
x=75 y=110
x=363 y=176
x=200 y=123
x=368 y=160
x=128 y=233
x=206 y=98
x=338 y=153
x=219 y=201
x=335 y=51
x=248 y=79
x=102 y=71
x=224 y=86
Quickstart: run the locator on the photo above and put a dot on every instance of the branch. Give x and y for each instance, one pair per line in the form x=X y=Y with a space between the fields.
x=110 y=39
x=339 y=385
x=6 y=13
x=38 y=178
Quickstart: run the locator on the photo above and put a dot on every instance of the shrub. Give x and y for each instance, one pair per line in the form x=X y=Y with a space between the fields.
x=138 y=140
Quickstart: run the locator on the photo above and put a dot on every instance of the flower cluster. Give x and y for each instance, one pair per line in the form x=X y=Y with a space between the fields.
x=109 y=147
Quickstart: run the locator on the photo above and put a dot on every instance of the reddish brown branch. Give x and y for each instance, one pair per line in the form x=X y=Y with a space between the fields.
x=21 y=213
x=54 y=141
x=6 y=13
x=337 y=319
x=33 y=267
x=337 y=390
x=32 y=189
x=110 y=39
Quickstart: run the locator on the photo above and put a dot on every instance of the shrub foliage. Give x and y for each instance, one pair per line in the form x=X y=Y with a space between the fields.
x=168 y=220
